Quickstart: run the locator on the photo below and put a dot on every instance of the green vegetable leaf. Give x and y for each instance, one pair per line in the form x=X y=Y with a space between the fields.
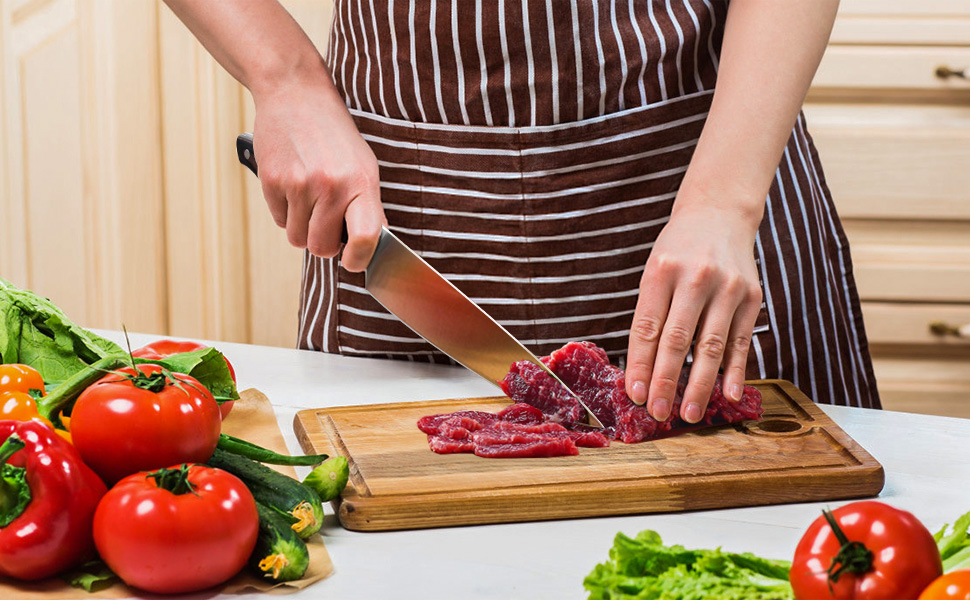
x=92 y=576
x=642 y=568
x=207 y=365
x=35 y=332
x=955 y=546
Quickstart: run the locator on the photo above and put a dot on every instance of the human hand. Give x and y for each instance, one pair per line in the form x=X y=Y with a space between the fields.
x=701 y=281
x=317 y=172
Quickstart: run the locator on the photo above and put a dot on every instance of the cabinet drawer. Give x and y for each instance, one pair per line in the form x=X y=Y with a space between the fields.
x=899 y=274
x=905 y=8
x=931 y=386
x=891 y=67
x=908 y=326
x=899 y=161
x=911 y=261
x=911 y=31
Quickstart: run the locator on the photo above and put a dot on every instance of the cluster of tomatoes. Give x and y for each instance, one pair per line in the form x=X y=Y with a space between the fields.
x=161 y=519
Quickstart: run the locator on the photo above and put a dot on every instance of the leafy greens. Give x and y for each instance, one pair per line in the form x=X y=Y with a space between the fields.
x=642 y=568
x=35 y=332
x=955 y=546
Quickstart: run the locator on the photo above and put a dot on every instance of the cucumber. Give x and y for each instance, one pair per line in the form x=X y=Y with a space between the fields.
x=329 y=479
x=275 y=490
x=280 y=554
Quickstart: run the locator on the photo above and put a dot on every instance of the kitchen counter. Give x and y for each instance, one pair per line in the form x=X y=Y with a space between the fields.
x=927 y=472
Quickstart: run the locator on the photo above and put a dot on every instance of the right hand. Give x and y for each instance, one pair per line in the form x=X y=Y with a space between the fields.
x=317 y=171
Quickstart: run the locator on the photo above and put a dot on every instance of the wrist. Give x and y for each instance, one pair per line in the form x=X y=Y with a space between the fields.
x=278 y=75
x=731 y=203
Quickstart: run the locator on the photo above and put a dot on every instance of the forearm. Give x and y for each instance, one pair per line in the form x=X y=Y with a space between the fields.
x=277 y=53
x=770 y=53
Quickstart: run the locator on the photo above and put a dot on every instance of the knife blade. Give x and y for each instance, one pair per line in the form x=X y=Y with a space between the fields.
x=431 y=306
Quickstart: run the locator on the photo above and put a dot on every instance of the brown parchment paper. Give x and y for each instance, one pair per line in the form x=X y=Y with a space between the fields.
x=251 y=419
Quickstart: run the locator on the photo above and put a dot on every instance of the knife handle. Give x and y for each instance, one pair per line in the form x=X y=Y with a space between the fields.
x=247 y=156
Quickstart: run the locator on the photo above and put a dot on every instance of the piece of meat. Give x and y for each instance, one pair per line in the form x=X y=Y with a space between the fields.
x=430 y=423
x=521 y=413
x=547 y=421
x=445 y=445
x=542 y=448
x=504 y=439
x=589 y=439
x=528 y=383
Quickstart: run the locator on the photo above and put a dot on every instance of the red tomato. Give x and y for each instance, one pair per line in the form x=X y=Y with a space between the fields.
x=20 y=378
x=876 y=552
x=176 y=530
x=951 y=586
x=162 y=348
x=120 y=427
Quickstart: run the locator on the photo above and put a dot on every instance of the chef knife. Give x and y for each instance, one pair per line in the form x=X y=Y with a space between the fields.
x=433 y=307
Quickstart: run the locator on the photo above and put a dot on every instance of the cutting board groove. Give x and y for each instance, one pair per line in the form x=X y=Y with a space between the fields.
x=794 y=454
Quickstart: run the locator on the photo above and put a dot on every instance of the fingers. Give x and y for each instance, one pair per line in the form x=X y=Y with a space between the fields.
x=739 y=342
x=719 y=321
x=364 y=216
x=313 y=203
x=679 y=307
x=675 y=342
x=645 y=332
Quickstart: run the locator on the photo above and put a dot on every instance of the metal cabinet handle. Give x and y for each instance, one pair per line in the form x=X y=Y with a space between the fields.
x=941 y=328
x=945 y=72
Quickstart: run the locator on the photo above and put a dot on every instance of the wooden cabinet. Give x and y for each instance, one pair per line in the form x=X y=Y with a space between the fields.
x=894 y=139
x=120 y=195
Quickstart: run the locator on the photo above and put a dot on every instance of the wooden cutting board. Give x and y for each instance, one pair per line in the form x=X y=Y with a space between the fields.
x=794 y=454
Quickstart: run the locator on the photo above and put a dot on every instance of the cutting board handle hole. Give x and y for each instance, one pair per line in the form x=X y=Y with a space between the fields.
x=778 y=426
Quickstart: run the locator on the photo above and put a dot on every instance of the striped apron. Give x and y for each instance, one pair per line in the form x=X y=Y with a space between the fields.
x=531 y=152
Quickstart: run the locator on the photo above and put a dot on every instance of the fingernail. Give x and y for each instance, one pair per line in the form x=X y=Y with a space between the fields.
x=735 y=392
x=639 y=393
x=661 y=409
x=692 y=413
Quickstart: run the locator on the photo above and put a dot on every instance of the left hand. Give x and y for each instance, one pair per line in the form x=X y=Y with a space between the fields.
x=700 y=282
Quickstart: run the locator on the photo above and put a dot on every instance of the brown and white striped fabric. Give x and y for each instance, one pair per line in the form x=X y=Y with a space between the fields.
x=531 y=151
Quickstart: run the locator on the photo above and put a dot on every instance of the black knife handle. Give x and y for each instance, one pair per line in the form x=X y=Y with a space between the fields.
x=247 y=156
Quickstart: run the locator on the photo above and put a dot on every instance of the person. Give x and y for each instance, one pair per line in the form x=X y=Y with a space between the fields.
x=574 y=169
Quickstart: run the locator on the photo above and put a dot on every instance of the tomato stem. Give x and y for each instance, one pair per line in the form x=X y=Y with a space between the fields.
x=853 y=557
x=175 y=480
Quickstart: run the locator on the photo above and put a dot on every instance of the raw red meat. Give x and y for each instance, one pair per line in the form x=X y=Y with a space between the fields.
x=431 y=423
x=519 y=430
x=521 y=413
x=528 y=383
x=547 y=421
x=586 y=369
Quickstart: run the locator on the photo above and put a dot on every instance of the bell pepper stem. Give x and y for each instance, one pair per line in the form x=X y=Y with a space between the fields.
x=14 y=491
x=10 y=446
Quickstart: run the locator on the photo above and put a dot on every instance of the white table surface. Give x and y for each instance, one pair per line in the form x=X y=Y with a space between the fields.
x=926 y=459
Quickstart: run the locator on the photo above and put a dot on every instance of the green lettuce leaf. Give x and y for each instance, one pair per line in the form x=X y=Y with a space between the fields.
x=35 y=332
x=955 y=545
x=642 y=568
x=92 y=576
x=207 y=365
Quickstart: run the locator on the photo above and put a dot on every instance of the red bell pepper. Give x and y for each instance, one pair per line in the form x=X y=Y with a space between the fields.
x=47 y=501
